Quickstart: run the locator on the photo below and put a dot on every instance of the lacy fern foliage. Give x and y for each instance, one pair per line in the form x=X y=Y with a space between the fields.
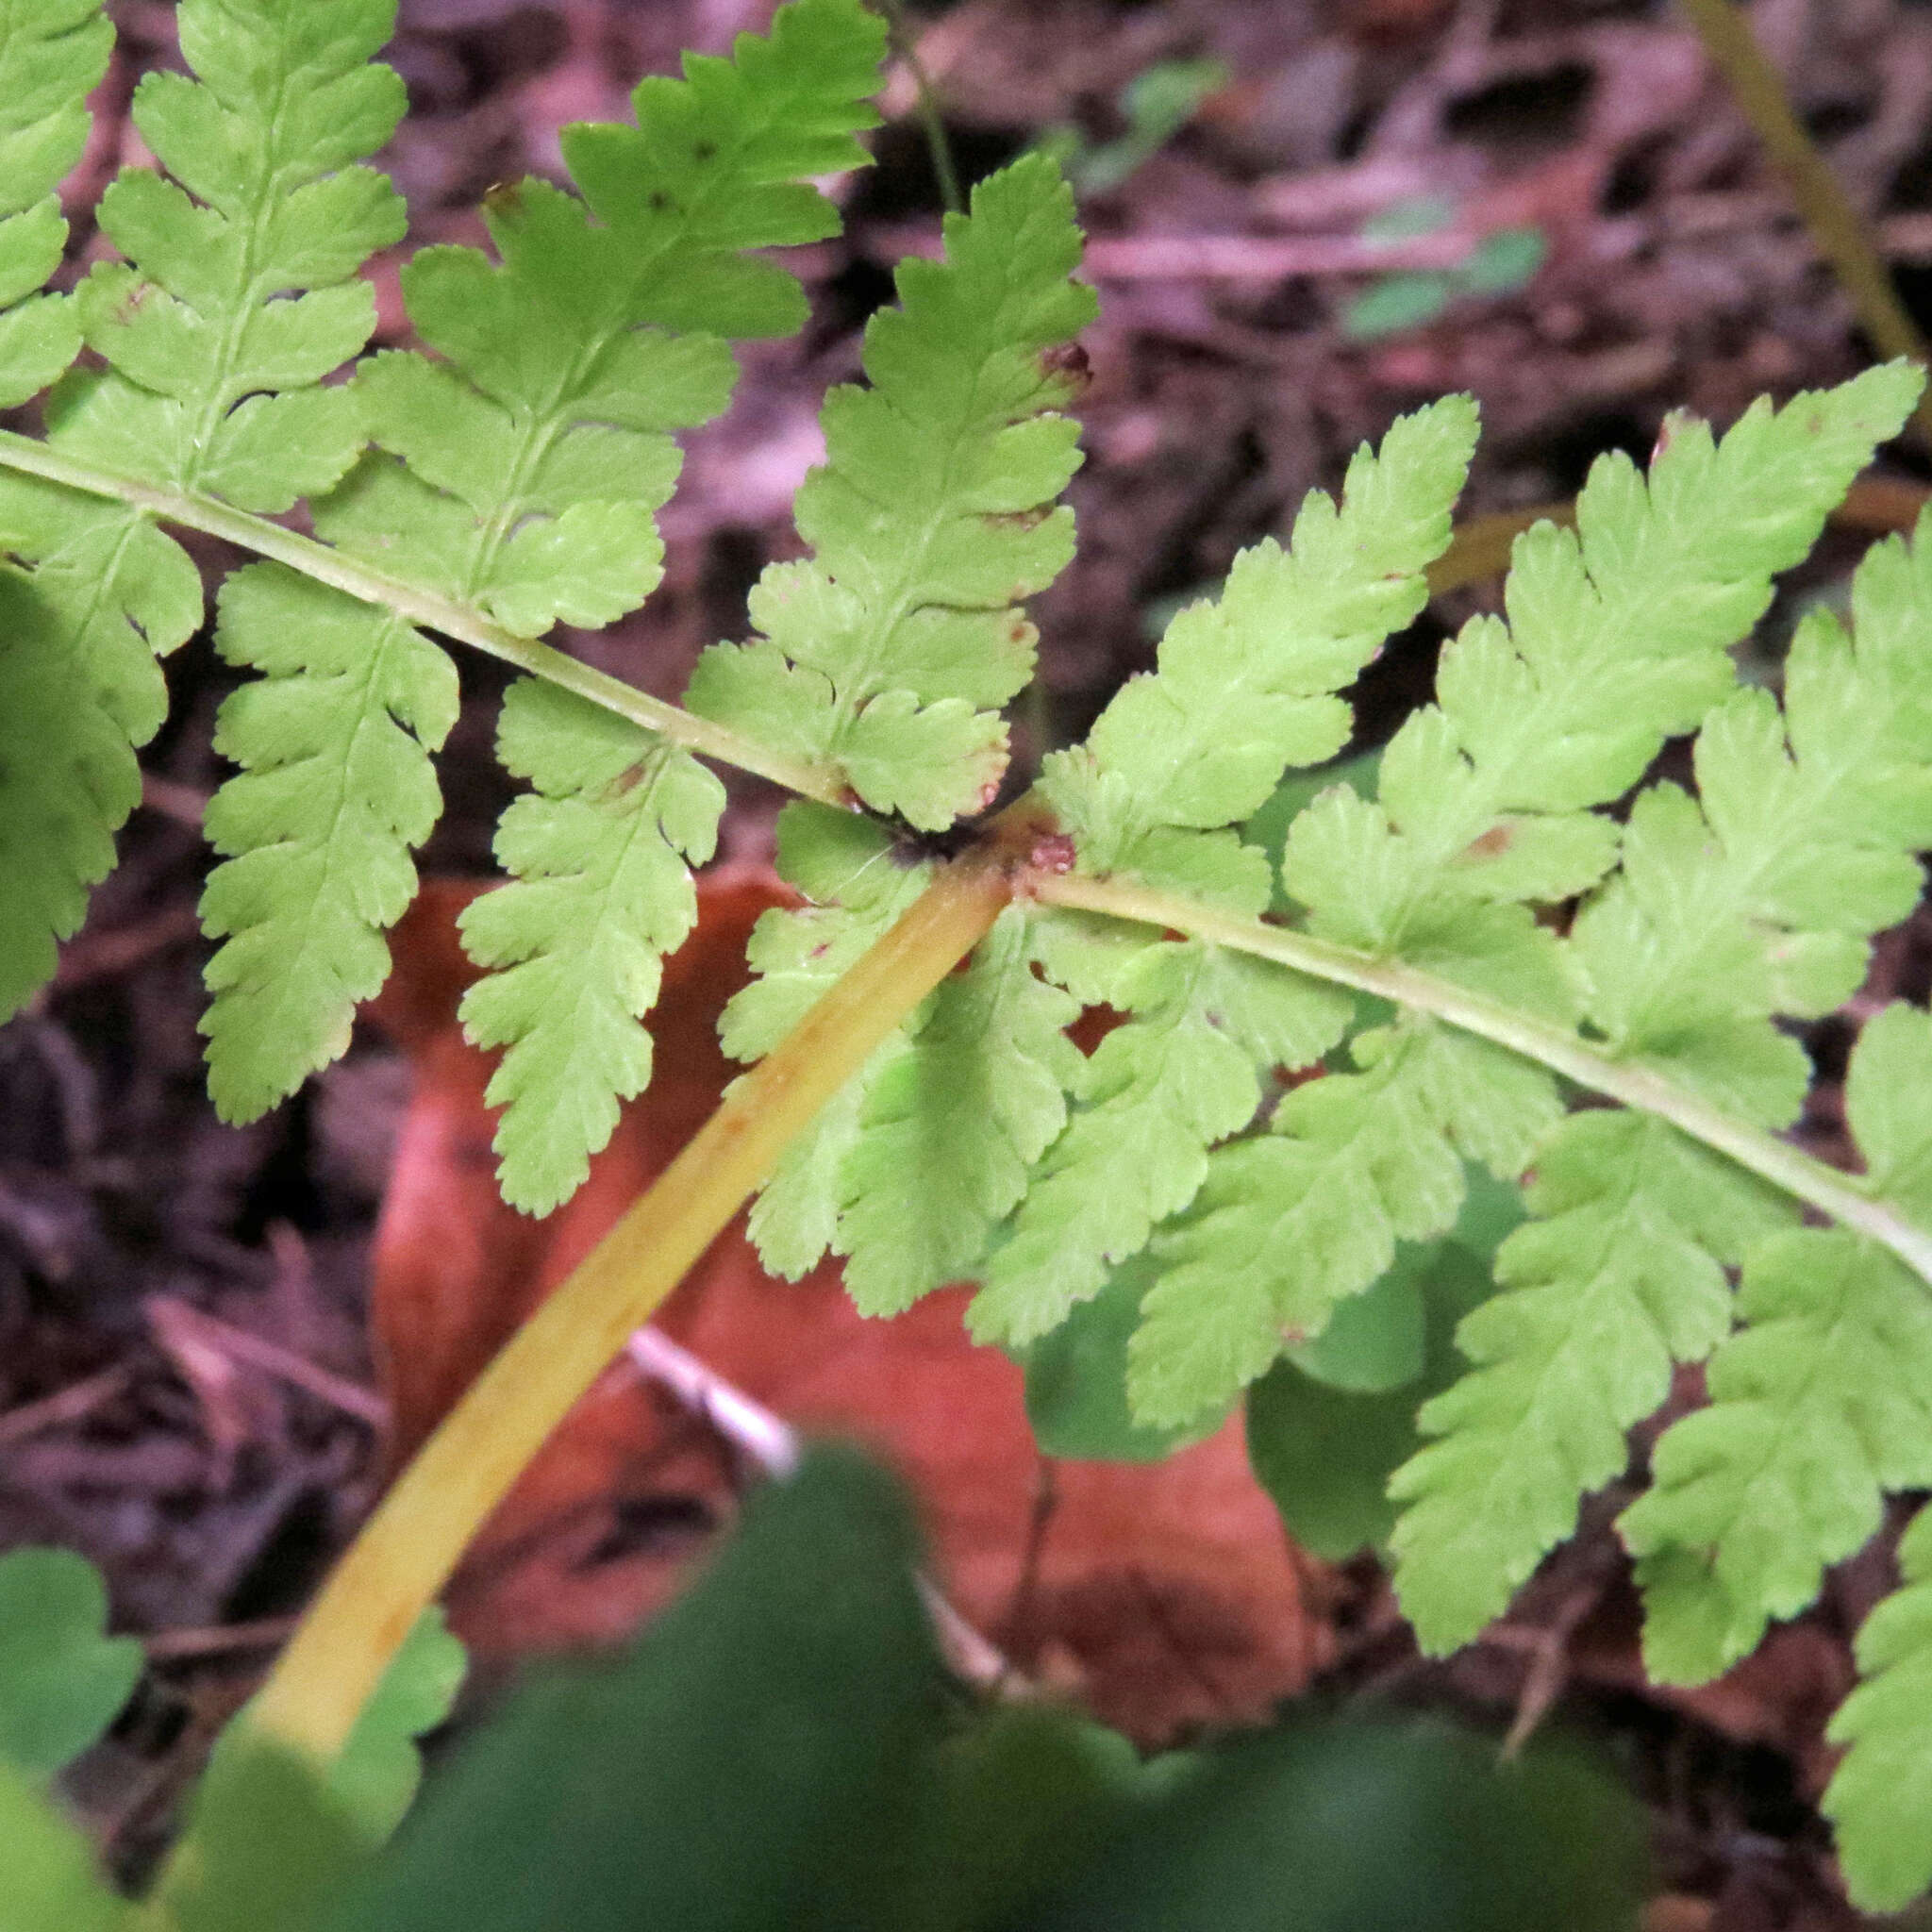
x=1328 y=1026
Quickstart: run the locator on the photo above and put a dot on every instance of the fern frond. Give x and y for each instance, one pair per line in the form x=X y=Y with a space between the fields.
x=1819 y=1403
x=334 y=788
x=1180 y=1074
x=1619 y=1273
x=52 y=53
x=890 y=651
x=1758 y=899
x=601 y=852
x=79 y=690
x=526 y=461
x=1617 y=639
x=1244 y=688
x=1718 y=917
x=858 y=886
x=240 y=292
x=1291 y=1223
x=1876 y=1798
x=239 y=295
x=519 y=470
x=1245 y=685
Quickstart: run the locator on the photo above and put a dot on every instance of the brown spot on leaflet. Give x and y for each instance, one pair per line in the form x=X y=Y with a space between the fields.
x=1067 y=364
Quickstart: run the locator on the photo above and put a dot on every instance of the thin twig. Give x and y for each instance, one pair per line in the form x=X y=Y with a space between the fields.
x=1836 y=225
x=905 y=45
x=766 y=1440
x=771 y=1444
x=216 y=1640
x=258 y=1352
x=68 y=1404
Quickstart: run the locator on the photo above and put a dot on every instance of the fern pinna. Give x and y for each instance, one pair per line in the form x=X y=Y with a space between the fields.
x=1446 y=1263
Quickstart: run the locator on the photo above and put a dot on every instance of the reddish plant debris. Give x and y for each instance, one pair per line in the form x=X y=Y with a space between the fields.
x=1166 y=1595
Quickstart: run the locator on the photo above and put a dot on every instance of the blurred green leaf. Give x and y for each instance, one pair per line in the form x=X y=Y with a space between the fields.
x=1027 y=1795
x=1397 y=302
x=1155 y=105
x=753 y=1762
x=1404 y=220
x=1375 y=1341
x=1506 y=261
x=48 y=1882
x=1343 y=1827
x=62 y=1681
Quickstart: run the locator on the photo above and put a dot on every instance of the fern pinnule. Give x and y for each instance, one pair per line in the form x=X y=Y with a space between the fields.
x=1751 y=902
x=1876 y=1798
x=240 y=292
x=317 y=828
x=856 y=883
x=521 y=472
x=1243 y=687
x=52 y=53
x=79 y=686
x=889 y=652
x=79 y=690
x=1616 y=639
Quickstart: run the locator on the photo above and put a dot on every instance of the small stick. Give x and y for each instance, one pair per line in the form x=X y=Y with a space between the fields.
x=905 y=45
x=240 y=1345
x=66 y=1405
x=772 y=1444
x=214 y=1639
x=1836 y=225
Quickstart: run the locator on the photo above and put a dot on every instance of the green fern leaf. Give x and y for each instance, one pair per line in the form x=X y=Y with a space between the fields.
x=522 y=474
x=1245 y=685
x=1157 y=1092
x=889 y=652
x=335 y=790
x=1758 y=899
x=1618 y=1275
x=951 y=1127
x=525 y=468
x=1819 y=1405
x=79 y=688
x=1291 y=1223
x=1887 y=1087
x=602 y=891
x=851 y=869
x=240 y=292
x=1617 y=637
x=52 y=53
x=1877 y=1798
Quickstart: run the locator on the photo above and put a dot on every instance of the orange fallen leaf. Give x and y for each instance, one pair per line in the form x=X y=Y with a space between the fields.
x=1167 y=1592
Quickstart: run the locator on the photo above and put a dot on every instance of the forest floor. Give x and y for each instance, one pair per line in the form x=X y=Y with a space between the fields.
x=1549 y=203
